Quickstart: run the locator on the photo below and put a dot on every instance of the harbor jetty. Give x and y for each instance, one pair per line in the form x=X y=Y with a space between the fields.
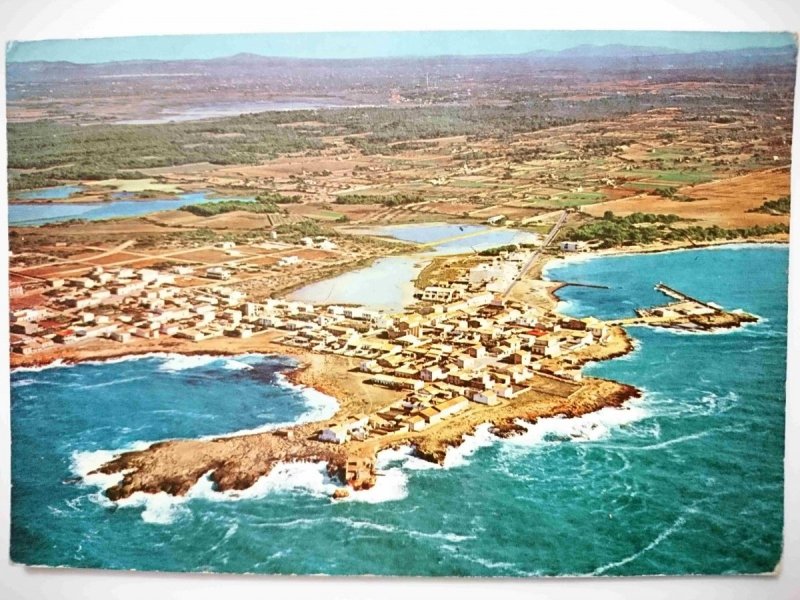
x=686 y=313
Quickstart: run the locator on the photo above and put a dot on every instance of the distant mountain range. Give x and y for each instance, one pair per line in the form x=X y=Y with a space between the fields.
x=148 y=88
x=580 y=52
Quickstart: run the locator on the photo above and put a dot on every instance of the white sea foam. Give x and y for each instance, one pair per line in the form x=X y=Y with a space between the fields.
x=676 y=525
x=163 y=509
x=586 y=428
x=458 y=456
x=236 y=365
x=307 y=477
x=52 y=365
x=392 y=529
x=319 y=406
x=182 y=362
x=294 y=477
x=91 y=386
x=174 y=361
x=83 y=463
x=390 y=485
x=22 y=383
x=404 y=456
x=159 y=509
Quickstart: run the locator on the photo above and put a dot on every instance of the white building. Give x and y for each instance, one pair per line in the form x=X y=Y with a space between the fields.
x=289 y=260
x=570 y=246
x=433 y=373
x=218 y=273
x=487 y=397
x=336 y=434
x=434 y=293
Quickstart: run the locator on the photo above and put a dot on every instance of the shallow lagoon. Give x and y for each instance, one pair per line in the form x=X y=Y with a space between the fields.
x=384 y=285
x=39 y=214
x=55 y=193
x=470 y=237
x=387 y=284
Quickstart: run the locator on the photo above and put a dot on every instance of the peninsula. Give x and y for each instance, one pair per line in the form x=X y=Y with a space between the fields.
x=475 y=349
x=580 y=160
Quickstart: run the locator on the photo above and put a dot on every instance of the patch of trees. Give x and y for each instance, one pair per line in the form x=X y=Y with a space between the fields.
x=648 y=228
x=774 y=207
x=211 y=209
x=307 y=228
x=104 y=151
x=498 y=250
x=388 y=201
x=277 y=198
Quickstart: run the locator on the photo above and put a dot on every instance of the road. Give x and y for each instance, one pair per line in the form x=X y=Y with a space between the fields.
x=547 y=241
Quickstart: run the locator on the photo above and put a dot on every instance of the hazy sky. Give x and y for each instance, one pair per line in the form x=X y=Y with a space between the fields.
x=372 y=44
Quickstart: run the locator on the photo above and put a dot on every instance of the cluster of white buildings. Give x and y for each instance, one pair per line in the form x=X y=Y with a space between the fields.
x=319 y=242
x=122 y=304
x=463 y=347
x=475 y=351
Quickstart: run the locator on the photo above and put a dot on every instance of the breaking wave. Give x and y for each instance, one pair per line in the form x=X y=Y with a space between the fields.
x=319 y=407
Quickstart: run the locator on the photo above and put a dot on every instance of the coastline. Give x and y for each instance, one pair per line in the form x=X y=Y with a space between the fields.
x=661 y=248
x=174 y=466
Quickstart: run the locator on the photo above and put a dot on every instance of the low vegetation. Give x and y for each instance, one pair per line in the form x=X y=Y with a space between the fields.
x=305 y=228
x=498 y=250
x=648 y=228
x=774 y=207
x=277 y=198
x=211 y=209
x=388 y=201
x=102 y=151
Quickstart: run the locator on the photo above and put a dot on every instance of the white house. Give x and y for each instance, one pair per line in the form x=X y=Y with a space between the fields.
x=289 y=260
x=432 y=373
x=218 y=273
x=336 y=434
x=485 y=397
x=570 y=246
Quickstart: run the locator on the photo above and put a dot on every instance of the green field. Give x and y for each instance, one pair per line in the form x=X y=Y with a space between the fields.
x=327 y=214
x=567 y=200
x=680 y=177
x=463 y=183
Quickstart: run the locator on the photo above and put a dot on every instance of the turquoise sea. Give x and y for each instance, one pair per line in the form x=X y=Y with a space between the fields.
x=688 y=479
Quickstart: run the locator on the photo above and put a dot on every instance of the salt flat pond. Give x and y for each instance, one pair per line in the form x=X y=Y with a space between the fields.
x=387 y=284
x=454 y=238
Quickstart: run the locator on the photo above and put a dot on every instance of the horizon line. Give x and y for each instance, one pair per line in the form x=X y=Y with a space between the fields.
x=377 y=44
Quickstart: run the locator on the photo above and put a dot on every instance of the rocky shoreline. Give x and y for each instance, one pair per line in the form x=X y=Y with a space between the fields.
x=237 y=462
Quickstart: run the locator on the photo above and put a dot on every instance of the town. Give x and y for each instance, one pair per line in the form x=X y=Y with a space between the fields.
x=463 y=345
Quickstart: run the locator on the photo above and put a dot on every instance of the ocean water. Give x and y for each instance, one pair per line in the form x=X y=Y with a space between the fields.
x=39 y=214
x=688 y=479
